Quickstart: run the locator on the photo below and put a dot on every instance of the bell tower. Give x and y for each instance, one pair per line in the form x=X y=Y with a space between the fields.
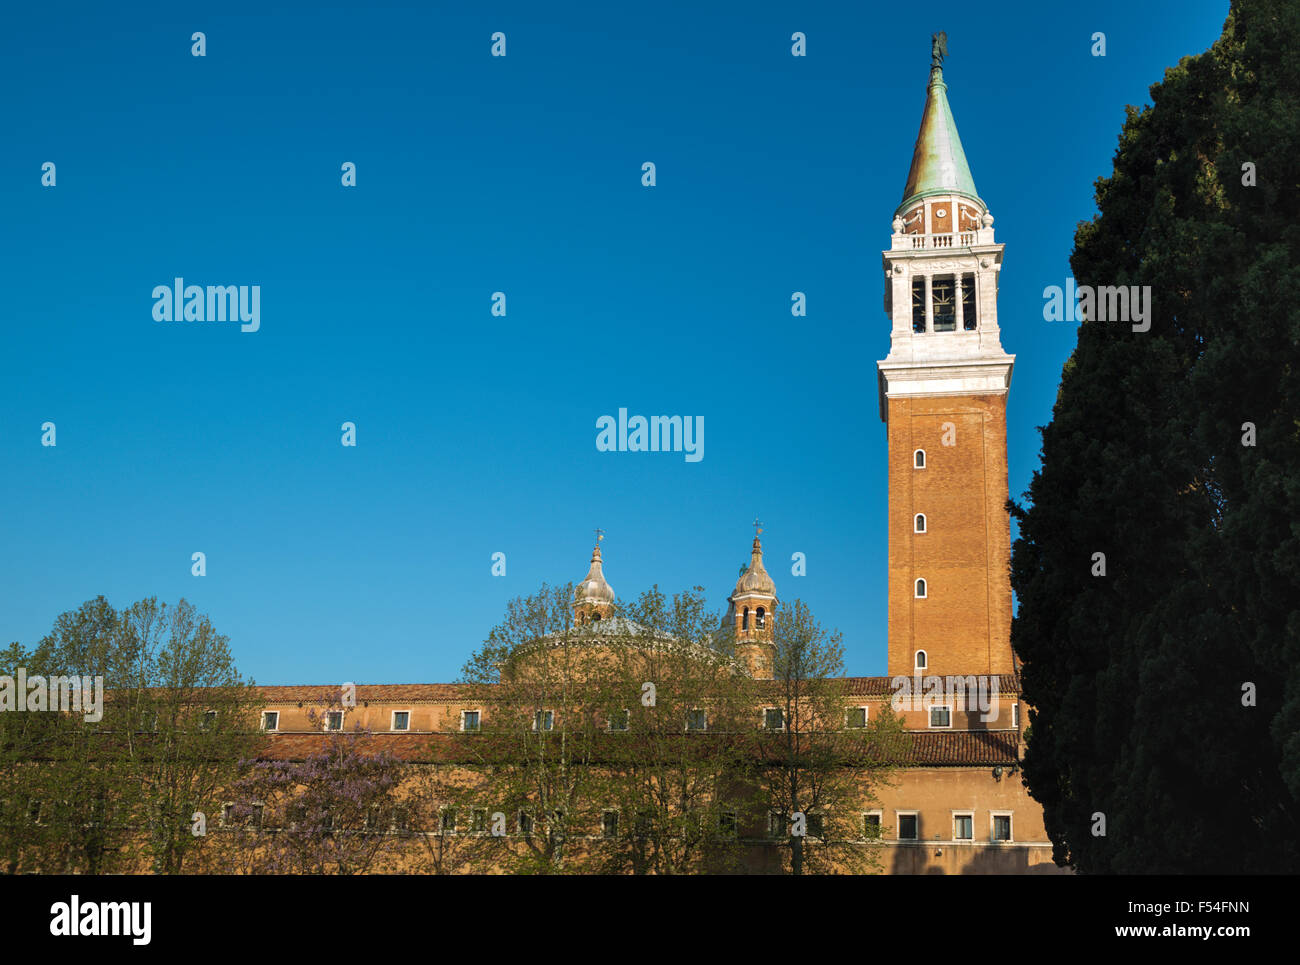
x=943 y=390
x=751 y=613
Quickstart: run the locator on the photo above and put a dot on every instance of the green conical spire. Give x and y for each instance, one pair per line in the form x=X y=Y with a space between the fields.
x=938 y=162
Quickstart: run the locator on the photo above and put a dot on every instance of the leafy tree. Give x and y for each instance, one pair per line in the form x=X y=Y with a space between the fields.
x=436 y=794
x=1166 y=687
x=814 y=774
x=69 y=801
x=187 y=721
x=675 y=765
x=543 y=737
x=176 y=721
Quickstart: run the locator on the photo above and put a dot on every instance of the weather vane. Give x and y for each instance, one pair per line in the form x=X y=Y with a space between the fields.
x=600 y=534
x=758 y=527
x=938 y=48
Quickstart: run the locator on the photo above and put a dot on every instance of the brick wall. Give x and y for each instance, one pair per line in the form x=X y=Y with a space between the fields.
x=964 y=624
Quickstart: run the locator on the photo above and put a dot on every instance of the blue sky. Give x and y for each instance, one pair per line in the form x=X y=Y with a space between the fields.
x=476 y=434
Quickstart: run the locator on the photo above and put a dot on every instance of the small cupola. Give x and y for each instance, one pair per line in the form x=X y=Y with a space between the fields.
x=593 y=598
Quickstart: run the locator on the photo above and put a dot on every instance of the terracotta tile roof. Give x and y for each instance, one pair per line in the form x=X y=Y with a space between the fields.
x=974 y=747
x=314 y=694
x=879 y=686
x=414 y=693
x=927 y=748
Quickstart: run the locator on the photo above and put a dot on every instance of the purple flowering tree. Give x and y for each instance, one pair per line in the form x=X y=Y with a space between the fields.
x=336 y=811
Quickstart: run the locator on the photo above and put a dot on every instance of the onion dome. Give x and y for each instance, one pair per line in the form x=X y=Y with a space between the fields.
x=754 y=578
x=593 y=588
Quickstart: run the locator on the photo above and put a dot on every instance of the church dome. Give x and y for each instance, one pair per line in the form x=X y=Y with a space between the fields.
x=754 y=578
x=593 y=588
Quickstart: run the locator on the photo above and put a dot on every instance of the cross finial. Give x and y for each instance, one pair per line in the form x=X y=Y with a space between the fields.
x=758 y=527
x=600 y=534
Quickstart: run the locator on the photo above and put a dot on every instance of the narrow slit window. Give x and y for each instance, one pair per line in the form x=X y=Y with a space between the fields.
x=919 y=525
x=969 y=314
x=918 y=305
x=918 y=459
x=920 y=589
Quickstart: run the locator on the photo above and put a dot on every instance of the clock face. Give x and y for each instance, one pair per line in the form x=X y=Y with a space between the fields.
x=941 y=212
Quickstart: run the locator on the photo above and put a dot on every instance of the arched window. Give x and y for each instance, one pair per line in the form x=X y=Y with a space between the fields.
x=918 y=459
x=762 y=618
x=920 y=589
x=922 y=660
x=919 y=526
x=969 y=314
x=744 y=620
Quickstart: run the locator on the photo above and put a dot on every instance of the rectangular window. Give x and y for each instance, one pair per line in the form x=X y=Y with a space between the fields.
x=871 y=824
x=908 y=826
x=815 y=826
x=525 y=823
x=478 y=820
x=618 y=721
x=918 y=305
x=857 y=717
x=401 y=820
x=775 y=825
x=255 y=818
x=963 y=827
x=1015 y=715
x=774 y=719
x=469 y=721
x=209 y=718
x=227 y=815
x=447 y=821
x=334 y=720
x=401 y=720
x=609 y=824
x=941 y=716
x=1002 y=827
x=270 y=720
x=944 y=297
x=727 y=824
x=969 y=314
x=544 y=720
x=697 y=720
